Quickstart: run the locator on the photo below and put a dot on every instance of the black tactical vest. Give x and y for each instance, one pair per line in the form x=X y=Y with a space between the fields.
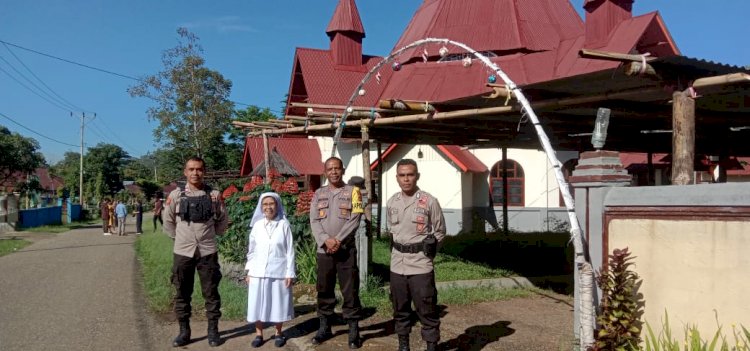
x=196 y=208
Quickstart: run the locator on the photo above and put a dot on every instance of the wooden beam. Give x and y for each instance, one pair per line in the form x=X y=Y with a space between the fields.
x=733 y=78
x=683 y=138
x=406 y=105
x=636 y=68
x=338 y=107
x=612 y=56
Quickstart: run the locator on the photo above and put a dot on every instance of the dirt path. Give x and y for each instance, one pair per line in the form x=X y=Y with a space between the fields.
x=80 y=290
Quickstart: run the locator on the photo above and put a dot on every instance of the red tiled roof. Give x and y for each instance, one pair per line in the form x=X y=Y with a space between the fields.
x=327 y=83
x=463 y=159
x=303 y=154
x=346 y=19
x=46 y=180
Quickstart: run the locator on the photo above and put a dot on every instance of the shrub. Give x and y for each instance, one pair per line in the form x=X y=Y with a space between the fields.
x=693 y=340
x=619 y=324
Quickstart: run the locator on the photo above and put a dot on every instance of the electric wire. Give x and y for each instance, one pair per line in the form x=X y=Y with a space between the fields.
x=34 y=92
x=68 y=103
x=99 y=69
x=35 y=132
x=33 y=84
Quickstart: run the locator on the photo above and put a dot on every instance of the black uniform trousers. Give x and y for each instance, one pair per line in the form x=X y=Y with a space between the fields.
x=420 y=289
x=344 y=264
x=183 y=277
x=139 y=223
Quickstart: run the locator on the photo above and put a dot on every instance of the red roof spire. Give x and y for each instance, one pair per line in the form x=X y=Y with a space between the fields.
x=346 y=33
x=346 y=19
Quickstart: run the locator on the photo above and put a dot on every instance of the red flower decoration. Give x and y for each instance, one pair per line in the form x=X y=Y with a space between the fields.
x=277 y=186
x=303 y=202
x=290 y=186
x=229 y=191
x=254 y=182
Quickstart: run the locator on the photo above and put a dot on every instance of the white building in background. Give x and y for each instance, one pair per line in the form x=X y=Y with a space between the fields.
x=464 y=179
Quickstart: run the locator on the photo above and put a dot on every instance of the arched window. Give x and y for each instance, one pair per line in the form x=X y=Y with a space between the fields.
x=516 y=186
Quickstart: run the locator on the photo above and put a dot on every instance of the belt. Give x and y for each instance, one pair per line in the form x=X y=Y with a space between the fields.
x=407 y=248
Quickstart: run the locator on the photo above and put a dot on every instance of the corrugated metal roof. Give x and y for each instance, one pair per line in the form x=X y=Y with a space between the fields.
x=327 y=83
x=303 y=154
x=463 y=159
x=346 y=19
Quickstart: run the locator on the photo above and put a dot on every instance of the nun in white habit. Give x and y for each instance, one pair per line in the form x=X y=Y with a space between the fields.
x=270 y=268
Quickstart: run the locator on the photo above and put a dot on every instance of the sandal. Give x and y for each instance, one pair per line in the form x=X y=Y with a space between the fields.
x=257 y=342
x=280 y=340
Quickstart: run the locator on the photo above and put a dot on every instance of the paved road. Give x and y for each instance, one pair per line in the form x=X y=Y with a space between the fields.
x=81 y=290
x=77 y=290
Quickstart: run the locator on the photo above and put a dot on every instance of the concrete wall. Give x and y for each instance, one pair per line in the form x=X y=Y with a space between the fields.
x=541 y=189
x=690 y=246
x=533 y=219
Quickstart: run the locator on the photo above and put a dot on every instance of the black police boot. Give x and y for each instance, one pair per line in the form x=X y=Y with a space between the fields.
x=213 y=333
x=403 y=342
x=184 y=337
x=354 y=340
x=324 y=331
x=431 y=346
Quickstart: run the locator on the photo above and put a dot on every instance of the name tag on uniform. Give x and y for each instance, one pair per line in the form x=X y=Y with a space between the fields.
x=420 y=210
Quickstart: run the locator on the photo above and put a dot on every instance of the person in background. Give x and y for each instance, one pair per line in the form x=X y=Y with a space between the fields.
x=158 y=207
x=122 y=213
x=270 y=268
x=111 y=214
x=104 y=209
x=138 y=214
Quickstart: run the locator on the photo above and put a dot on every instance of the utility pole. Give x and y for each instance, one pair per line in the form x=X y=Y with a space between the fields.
x=80 y=175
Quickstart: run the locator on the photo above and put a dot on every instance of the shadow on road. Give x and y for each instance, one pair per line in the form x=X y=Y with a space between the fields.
x=477 y=337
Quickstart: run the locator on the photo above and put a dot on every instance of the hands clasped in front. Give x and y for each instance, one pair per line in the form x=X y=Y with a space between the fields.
x=332 y=245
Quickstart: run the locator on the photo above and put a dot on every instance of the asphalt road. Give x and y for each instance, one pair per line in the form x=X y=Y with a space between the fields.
x=77 y=290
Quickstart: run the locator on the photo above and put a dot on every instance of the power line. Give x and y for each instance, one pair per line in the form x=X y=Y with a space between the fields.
x=99 y=69
x=35 y=132
x=71 y=62
x=56 y=104
x=41 y=81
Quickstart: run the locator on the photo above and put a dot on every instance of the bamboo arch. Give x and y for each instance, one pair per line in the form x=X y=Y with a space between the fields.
x=586 y=273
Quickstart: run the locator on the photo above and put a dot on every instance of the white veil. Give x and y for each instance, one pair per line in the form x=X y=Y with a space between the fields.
x=258 y=215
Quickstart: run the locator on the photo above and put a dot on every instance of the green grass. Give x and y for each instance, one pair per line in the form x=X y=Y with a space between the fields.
x=469 y=296
x=155 y=254
x=8 y=246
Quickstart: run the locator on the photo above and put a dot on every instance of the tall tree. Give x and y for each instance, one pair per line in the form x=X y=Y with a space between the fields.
x=193 y=107
x=107 y=160
x=69 y=170
x=18 y=155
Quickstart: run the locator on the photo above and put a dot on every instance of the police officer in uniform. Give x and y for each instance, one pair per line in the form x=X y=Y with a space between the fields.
x=417 y=226
x=335 y=212
x=193 y=216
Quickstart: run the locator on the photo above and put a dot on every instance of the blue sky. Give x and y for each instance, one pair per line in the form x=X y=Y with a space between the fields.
x=250 y=42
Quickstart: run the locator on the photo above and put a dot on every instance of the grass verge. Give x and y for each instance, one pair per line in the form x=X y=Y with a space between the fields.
x=8 y=246
x=155 y=254
x=447 y=267
x=60 y=228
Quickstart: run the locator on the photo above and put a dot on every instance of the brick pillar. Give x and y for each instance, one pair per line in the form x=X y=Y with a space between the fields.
x=596 y=174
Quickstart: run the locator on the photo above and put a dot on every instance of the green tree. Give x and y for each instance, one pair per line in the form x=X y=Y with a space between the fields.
x=19 y=155
x=138 y=168
x=193 y=107
x=69 y=170
x=236 y=145
x=108 y=160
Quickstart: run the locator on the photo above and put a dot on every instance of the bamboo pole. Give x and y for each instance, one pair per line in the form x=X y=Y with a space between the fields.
x=267 y=158
x=612 y=56
x=654 y=92
x=683 y=138
x=340 y=107
x=636 y=68
x=406 y=105
x=726 y=79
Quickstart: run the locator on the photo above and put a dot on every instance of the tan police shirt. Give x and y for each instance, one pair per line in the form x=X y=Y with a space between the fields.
x=335 y=213
x=410 y=220
x=190 y=237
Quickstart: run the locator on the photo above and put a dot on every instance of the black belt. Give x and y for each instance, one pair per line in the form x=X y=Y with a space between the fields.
x=407 y=248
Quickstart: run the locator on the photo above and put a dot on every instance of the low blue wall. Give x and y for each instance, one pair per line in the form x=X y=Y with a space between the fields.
x=74 y=212
x=37 y=217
